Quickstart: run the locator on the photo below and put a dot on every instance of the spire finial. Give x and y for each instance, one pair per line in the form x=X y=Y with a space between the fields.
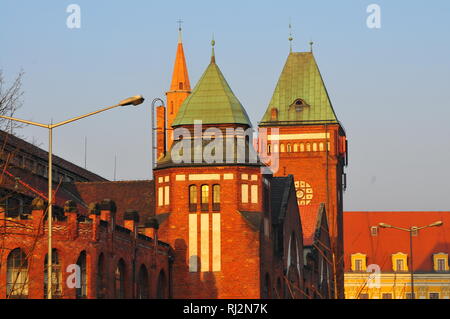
x=290 y=36
x=311 y=43
x=213 y=55
x=179 y=30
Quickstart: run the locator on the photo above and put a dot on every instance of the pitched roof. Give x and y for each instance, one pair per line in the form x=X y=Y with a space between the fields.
x=379 y=248
x=212 y=101
x=26 y=147
x=300 y=79
x=136 y=195
x=311 y=217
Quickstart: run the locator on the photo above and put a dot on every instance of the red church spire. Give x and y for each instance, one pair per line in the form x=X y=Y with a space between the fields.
x=180 y=88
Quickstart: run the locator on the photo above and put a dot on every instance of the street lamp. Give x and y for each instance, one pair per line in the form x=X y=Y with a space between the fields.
x=135 y=100
x=411 y=230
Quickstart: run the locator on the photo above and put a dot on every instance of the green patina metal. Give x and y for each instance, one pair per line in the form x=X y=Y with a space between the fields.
x=212 y=101
x=300 y=95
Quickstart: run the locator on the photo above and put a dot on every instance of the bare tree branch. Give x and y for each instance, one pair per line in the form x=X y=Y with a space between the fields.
x=11 y=99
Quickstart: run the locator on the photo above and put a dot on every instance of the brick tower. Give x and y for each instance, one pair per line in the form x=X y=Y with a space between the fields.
x=311 y=144
x=206 y=208
x=180 y=88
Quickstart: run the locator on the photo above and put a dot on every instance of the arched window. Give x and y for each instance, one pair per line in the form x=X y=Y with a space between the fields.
x=143 y=283
x=295 y=147
x=321 y=147
x=267 y=287
x=119 y=280
x=302 y=147
x=56 y=275
x=274 y=114
x=308 y=147
x=17 y=274
x=268 y=148
x=216 y=197
x=280 y=293
x=161 y=290
x=81 y=262
x=282 y=148
x=289 y=148
x=193 y=198
x=205 y=197
x=314 y=147
x=101 y=287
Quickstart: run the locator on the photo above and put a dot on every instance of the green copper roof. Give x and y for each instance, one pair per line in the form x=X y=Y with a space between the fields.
x=300 y=82
x=212 y=101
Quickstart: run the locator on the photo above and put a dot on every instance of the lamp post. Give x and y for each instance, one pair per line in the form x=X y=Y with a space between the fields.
x=135 y=100
x=411 y=230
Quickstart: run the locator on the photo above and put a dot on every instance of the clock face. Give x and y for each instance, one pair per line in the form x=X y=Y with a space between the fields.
x=304 y=193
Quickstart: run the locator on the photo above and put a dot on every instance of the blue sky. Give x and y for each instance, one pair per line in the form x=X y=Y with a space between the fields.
x=390 y=87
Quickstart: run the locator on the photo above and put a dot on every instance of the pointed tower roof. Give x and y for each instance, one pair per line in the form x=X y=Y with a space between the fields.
x=300 y=95
x=212 y=101
x=180 y=77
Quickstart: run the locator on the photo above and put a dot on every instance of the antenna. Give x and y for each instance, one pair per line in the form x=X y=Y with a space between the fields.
x=290 y=36
x=115 y=166
x=85 y=152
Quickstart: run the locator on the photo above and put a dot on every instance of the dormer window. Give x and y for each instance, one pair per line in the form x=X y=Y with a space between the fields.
x=399 y=262
x=440 y=262
x=274 y=114
x=358 y=262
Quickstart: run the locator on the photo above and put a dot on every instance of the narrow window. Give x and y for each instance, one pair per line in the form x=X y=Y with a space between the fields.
x=244 y=193
x=160 y=196
x=216 y=197
x=192 y=198
x=119 y=280
x=180 y=85
x=282 y=150
x=295 y=147
x=166 y=195
x=441 y=264
x=268 y=148
x=400 y=266
x=254 y=194
x=101 y=287
x=17 y=275
x=314 y=147
x=56 y=275
x=321 y=147
x=143 y=283
x=358 y=265
x=308 y=147
x=302 y=147
x=81 y=262
x=289 y=148
x=205 y=198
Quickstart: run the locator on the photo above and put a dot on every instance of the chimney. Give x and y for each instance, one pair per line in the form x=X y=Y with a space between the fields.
x=151 y=227
x=38 y=206
x=160 y=131
x=94 y=214
x=71 y=212
x=108 y=212
x=131 y=220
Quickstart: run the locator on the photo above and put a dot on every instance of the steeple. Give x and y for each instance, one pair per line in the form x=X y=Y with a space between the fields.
x=180 y=87
x=180 y=77
x=212 y=101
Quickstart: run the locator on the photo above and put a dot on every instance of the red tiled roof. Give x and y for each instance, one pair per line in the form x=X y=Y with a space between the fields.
x=358 y=238
x=137 y=195
x=308 y=216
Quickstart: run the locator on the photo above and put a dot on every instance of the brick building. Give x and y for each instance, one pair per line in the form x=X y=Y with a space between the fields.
x=236 y=233
x=220 y=222
x=115 y=261
x=301 y=126
x=370 y=248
